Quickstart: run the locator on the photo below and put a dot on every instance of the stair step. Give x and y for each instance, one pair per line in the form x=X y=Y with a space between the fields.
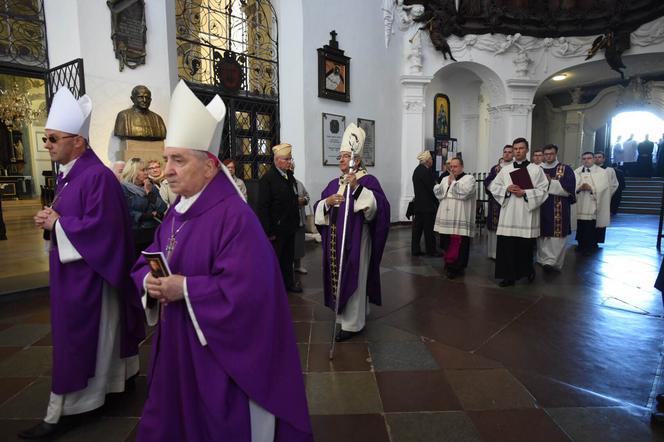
x=642 y=200
x=639 y=211
x=632 y=195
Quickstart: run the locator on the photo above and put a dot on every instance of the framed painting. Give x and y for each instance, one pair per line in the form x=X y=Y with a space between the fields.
x=333 y=131
x=441 y=117
x=333 y=72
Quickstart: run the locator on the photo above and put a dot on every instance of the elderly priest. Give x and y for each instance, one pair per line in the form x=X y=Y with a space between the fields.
x=225 y=365
x=366 y=234
x=520 y=189
x=96 y=315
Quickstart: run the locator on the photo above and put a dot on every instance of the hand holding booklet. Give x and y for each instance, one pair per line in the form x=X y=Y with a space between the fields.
x=521 y=178
x=158 y=264
x=158 y=269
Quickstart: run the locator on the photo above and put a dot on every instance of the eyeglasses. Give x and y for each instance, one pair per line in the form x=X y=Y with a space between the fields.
x=53 y=139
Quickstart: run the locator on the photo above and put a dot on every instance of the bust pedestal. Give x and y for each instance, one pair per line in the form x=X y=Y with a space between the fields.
x=145 y=150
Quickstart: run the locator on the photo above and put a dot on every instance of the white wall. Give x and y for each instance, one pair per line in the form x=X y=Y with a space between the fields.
x=374 y=80
x=82 y=28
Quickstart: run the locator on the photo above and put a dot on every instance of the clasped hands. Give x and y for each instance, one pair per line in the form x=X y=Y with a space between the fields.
x=516 y=190
x=46 y=218
x=585 y=186
x=166 y=289
x=336 y=199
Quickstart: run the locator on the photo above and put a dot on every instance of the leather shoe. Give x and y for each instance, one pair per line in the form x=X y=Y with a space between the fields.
x=506 y=283
x=343 y=335
x=295 y=288
x=531 y=275
x=660 y=399
x=657 y=418
x=42 y=430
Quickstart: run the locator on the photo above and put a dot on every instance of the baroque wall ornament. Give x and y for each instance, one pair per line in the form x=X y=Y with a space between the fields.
x=414 y=105
x=519 y=46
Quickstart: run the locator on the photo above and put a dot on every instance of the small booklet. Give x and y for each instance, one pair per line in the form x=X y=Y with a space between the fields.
x=521 y=178
x=158 y=264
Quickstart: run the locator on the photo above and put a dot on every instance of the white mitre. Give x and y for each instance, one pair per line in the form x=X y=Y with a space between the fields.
x=67 y=114
x=353 y=140
x=191 y=124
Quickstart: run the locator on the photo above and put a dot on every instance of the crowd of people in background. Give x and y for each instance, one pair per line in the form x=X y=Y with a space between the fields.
x=644 y=159
x=533 y=206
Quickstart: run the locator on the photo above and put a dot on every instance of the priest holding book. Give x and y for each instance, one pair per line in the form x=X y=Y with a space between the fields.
x=520 y=189
x=225 y=365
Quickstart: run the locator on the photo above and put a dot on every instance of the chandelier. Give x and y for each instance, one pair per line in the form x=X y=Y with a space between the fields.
x=16 y=109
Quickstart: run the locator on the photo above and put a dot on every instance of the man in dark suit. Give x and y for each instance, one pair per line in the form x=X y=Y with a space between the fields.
x=424 y=205
x=644 y=159
x=279 y=212
x=660 y=158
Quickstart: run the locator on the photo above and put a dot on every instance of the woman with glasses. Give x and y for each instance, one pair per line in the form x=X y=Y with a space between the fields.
x=146 y=208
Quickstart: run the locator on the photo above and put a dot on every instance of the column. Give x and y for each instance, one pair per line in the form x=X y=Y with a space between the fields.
x=573 y=137
x=412 y=133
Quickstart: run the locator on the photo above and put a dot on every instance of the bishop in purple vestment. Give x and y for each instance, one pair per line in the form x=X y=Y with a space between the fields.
x=96 y=317
x=366 y=234
x=555 y=212
x=225 y=365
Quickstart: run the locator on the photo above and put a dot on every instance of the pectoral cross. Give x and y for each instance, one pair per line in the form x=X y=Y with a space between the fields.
x=172 y=242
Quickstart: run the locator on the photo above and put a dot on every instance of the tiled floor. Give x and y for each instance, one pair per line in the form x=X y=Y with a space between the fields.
x=573 y=356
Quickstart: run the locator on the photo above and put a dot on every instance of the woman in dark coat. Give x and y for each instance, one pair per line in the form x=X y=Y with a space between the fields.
x=146 y=208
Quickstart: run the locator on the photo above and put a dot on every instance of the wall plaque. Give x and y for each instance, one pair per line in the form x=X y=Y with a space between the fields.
x=128 y=31
x=333 y=131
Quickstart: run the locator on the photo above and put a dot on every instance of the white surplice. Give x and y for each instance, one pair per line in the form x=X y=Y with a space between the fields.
x=456 y=211
x=594 y=204
x=519 y=216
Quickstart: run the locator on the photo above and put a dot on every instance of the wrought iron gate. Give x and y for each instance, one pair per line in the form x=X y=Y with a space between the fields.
x=230 y=48
x=69 y=74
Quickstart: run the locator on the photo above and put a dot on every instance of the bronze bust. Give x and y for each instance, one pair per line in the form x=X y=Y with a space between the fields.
x=138 y=122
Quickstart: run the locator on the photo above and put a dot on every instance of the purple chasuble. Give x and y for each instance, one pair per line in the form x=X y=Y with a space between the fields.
x=379 y=227
x=555 y=212
x=94 y=215
x=493 y=212
x=202 y=393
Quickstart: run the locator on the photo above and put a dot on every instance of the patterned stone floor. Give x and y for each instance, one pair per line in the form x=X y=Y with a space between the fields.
x=572 y=356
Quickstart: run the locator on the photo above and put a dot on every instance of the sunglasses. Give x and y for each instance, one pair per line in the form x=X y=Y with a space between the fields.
x=53 y=139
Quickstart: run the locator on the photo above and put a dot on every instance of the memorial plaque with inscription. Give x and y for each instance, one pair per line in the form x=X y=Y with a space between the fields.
x=128 y=31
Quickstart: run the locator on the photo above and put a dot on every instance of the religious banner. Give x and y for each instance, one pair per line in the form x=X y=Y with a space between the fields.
x=333 y=130
x=369 y=151
x=128 y=31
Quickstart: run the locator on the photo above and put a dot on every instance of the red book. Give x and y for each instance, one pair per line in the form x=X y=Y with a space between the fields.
x=521 y=178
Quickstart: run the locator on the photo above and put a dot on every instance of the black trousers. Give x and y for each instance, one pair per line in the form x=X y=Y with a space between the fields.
x=586 y=234
x=3 y=228
x=284 y=247
x=514 y=257
x=423 y=222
